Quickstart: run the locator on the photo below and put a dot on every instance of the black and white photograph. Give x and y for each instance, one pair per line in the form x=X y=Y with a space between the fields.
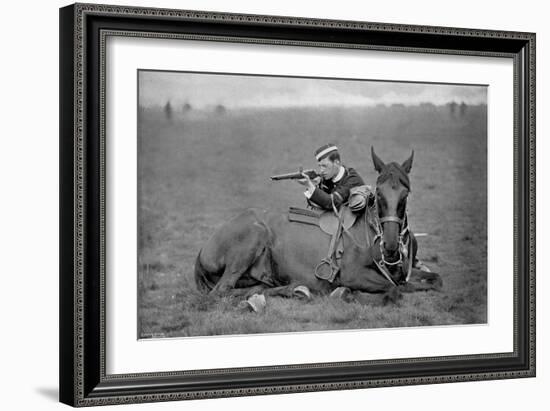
x=279 y=204
x=275 y=205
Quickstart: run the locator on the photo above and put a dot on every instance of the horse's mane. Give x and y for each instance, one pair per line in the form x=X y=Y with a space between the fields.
x=395 y=173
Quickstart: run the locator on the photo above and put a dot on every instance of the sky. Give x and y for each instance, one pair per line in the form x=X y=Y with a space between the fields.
x=244 y=91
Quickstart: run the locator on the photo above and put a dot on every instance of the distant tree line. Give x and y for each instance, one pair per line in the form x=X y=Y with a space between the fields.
x=454 y=106
x=187 y=107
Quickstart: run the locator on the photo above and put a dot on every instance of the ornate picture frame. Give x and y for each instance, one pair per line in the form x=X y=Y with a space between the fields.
x=84 y=30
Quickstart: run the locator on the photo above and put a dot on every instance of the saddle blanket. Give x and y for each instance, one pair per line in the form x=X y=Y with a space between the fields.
x=305 y=216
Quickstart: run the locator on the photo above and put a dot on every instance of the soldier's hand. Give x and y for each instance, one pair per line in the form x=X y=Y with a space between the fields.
x=306 y=181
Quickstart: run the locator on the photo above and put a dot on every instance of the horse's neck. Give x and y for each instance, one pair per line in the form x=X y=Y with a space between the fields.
x=359 y=252
x=362 y=232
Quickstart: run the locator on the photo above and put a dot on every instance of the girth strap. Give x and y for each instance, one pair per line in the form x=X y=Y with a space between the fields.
x=329 y=261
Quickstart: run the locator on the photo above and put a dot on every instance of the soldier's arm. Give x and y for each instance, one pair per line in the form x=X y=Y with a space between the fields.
x=342 y=192
x=324 y=199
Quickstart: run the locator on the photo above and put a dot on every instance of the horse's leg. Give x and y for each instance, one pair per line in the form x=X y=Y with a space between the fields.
x=260 y=277
x=258 y=289
x=390 y=295
x=233 y=273
x=342 y=293
x=247 y=292
x=261 y=269
x=422 y=281
x=419 y=281
x=244 y=256
x=229 y=278
x=286 y=291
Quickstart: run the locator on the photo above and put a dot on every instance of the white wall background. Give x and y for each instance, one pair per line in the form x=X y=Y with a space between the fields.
x=29 y=206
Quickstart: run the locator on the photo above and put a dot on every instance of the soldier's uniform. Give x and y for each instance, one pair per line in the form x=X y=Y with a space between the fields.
x=335 y=190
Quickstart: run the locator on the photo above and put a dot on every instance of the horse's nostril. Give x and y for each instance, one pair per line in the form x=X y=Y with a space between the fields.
x=390 y=247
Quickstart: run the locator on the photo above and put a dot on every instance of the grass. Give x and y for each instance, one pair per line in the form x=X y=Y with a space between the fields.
x=199 y=169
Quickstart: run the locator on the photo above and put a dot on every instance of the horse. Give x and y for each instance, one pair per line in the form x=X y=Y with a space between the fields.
x=261 y=251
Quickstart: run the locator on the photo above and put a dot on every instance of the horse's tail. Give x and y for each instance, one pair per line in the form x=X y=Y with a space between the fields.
x=202 y=280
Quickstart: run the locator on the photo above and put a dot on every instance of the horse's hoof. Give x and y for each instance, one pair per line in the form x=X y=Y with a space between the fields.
x=342 y=293
x=302 y=291
x=392 y=296
x=255 y=303
x=422 y=267
x=437 y=284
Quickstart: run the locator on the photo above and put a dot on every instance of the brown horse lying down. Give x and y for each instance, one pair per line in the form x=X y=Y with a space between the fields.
x=260 y=251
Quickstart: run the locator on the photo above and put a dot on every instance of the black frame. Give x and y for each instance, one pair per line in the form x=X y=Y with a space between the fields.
x=83 y=29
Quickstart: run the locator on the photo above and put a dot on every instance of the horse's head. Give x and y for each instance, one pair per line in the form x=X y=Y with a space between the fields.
x=392 y=188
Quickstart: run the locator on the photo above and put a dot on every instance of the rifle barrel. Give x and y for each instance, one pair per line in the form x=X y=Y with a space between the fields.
x=294 y=176
x=289 y=176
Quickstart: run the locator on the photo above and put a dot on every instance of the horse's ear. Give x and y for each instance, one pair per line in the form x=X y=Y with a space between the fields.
x=378 y=163
x=407 y=165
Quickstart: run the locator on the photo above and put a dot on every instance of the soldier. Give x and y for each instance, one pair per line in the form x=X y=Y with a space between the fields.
x=332 y=188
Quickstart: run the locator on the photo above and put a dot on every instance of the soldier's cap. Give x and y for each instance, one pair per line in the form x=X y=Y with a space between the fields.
x=323 y=151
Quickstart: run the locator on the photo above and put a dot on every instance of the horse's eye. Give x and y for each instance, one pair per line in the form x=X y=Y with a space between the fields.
x=401 y=206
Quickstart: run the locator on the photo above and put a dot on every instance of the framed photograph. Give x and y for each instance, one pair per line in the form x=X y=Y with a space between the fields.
x=262 y=204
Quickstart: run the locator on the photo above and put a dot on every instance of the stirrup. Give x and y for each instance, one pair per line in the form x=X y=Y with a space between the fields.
x=323 y=274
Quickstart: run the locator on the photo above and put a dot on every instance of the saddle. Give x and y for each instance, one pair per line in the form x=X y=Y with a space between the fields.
x=332 y=224
x=327 y=221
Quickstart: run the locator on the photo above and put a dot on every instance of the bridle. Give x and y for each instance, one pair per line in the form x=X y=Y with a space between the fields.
x=404 y=229
x=392 y=219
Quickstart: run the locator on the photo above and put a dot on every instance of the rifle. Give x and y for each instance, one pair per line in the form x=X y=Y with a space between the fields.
x=296 y=176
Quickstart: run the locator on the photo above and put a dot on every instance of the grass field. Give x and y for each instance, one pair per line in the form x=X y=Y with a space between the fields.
x=200 y=168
